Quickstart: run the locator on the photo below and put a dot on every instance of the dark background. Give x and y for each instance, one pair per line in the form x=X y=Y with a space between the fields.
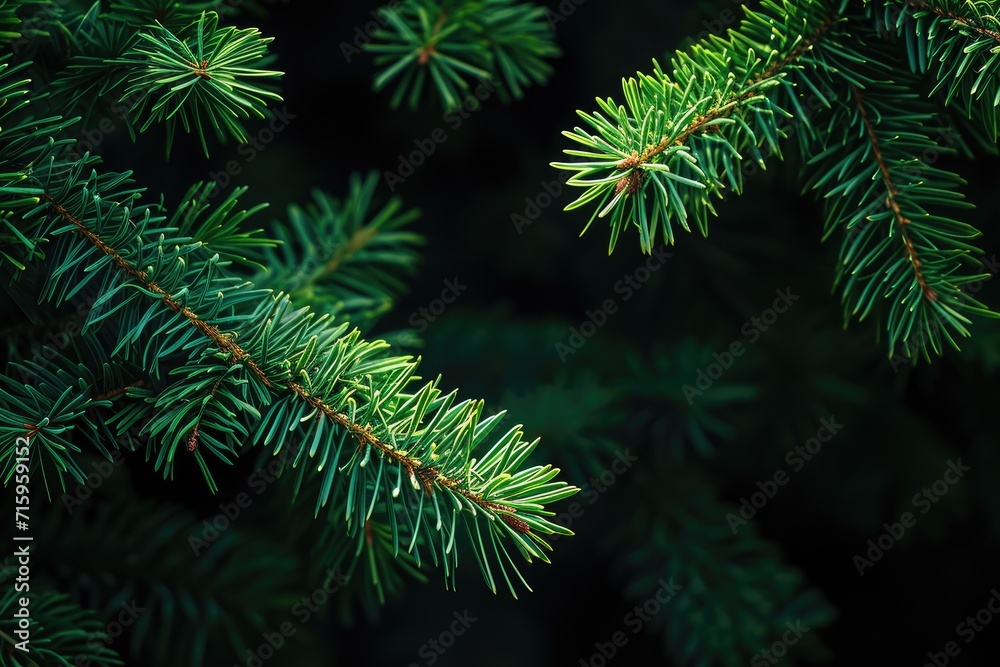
x=524 y=292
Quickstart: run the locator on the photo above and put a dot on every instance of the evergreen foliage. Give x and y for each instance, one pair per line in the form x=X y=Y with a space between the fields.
x=197 y=340
x=680 y=141
x=451 y=44
x=190 y=351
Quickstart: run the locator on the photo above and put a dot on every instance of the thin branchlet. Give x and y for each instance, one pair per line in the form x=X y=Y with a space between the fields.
x=427 y=475
x=892 y=198
x=965 y=21
x=703 y=122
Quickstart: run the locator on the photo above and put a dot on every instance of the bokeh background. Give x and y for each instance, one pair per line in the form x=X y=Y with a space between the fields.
x=623 y=388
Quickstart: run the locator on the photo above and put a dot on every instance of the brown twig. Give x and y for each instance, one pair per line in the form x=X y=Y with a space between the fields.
x=892 y=198
x=428 y=475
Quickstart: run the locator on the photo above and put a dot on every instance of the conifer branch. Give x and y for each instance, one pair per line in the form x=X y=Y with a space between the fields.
x=186 y=70
x=958 y=40
x=725 y=109
x=680 y=136
x=892 y=198
x=347 y=257
x=414 y=467
x=451 y=44
x=886 y=195
x=315 y=369
x=971 y=22
x=681 y=139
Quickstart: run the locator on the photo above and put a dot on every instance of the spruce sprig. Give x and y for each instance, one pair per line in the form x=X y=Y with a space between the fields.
x=226 y=364
x=678 y=143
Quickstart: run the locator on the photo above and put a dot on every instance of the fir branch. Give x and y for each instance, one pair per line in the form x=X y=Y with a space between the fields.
x=447 y=44
x=900 y=253
x=187 y=71
x=962 y=38
x=681 y=136
x=892 y=198
x=735 y=99
x=680 y=140
x=215 y=67
x=346 y=257
x=319 y=375
x=238 y=355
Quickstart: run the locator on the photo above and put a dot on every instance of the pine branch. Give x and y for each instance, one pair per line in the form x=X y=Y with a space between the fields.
x=962 y=38
x=452 y=43
x=290 y=370
x=216 y=67
x=194 y=73
x=679 y=141
x=343 y=257
x=899 y=252
x=892 y=198
x=682 y=138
